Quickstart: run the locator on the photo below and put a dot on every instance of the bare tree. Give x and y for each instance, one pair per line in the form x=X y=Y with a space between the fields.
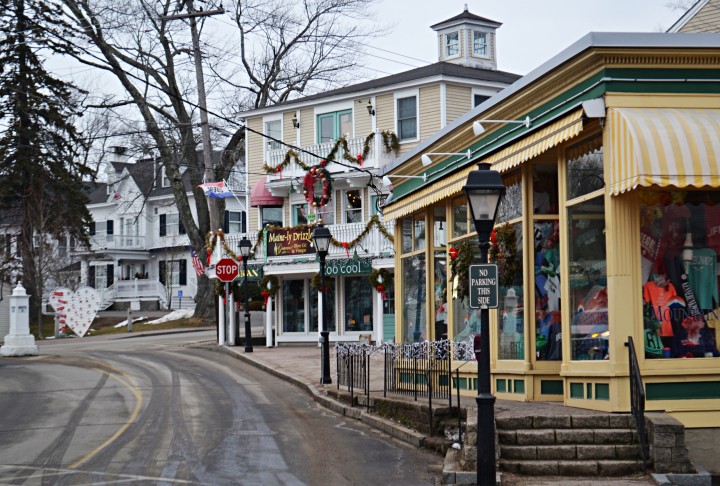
x=300 y=46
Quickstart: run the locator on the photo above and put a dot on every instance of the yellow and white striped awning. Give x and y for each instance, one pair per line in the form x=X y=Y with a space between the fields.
x=677 y=147
x=525 y=149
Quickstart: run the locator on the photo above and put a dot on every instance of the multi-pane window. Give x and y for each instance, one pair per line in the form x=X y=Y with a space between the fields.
x=331 y=126
x=407 y=121
x=170 y=225
x=452 y=44
x=273 y=129
x=271 y=215
x=480 y=44
x=173 y=272
x=299 y=214
x=234 y=222
x=353 y=206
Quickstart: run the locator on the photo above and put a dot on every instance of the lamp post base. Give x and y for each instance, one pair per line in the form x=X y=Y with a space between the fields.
x=248 y=334
x=325 y=358
x=486 y=439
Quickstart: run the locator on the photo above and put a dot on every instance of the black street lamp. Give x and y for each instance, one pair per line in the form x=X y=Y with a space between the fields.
x=322 y=237
x=244 y=246
x=484 y=189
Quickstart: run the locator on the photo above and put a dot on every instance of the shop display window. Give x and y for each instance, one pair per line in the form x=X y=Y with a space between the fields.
x=414 y=299
x=439 y=227
x=358 y=304
x=466 y=321
x=419 y=232
x=440 y=293
x=506 y=253
x=511 y=203
x=329 y=307
x=548 y=332
x=545 y=189
x=585 y=171
x=460 y=217
x=407 y=226
x=293 y=306
x=588 y=281
x=679 y=247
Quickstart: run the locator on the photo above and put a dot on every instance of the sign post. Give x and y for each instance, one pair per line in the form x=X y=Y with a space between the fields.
x=483 y=286
x=226 y=270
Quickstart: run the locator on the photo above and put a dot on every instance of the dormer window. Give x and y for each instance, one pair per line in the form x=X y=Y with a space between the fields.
x=452 y=44
x=480 y=44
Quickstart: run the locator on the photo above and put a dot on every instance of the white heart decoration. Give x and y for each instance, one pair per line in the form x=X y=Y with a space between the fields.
x=59 y=300
x=81 y=310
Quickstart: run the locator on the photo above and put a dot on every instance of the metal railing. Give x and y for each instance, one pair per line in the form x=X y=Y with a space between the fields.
x=637 y=401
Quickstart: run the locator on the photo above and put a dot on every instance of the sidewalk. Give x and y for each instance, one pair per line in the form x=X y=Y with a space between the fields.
x=300 y=365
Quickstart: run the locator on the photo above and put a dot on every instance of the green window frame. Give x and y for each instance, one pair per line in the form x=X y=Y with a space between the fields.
x=331 y=126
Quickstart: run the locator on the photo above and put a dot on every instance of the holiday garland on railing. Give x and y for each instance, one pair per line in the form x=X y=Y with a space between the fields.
x=374 y=221
x=212 y=237
x=381 y=280
x=390 y=144
x=503 y=252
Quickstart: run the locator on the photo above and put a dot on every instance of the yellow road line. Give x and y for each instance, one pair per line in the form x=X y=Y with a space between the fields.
x=138 y=405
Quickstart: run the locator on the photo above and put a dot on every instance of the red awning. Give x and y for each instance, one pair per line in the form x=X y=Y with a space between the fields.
x=260 y=196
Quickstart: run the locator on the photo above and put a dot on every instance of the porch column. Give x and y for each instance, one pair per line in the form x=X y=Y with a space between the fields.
x=269 y=323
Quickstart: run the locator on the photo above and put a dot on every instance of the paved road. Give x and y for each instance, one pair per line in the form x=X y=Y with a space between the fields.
x=150 y=411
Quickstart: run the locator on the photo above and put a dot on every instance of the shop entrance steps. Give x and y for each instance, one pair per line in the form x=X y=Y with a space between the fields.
x=569 y=445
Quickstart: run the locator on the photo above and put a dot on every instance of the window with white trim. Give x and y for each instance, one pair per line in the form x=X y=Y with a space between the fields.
x=170 y=225
x=273 y=128
x=331 y=126
x=407 y=121
x=352 y=206
x=480 y=44
x=452 y=44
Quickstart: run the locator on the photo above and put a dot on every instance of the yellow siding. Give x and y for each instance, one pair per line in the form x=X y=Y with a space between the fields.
x=255 y=161
x=706 y=20
x=307 y=127
x=458 y=101
x=385 y=112
x=362 y=122
x=429 y=111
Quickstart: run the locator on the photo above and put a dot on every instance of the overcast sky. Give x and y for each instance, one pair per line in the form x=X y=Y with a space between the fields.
x=533 y=31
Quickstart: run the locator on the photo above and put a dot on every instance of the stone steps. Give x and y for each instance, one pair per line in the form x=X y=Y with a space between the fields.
x=572 y=445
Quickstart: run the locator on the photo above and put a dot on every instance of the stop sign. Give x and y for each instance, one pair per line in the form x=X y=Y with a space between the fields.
x=227 y=269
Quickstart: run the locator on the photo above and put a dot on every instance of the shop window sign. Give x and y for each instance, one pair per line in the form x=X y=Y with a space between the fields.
x=346 y=267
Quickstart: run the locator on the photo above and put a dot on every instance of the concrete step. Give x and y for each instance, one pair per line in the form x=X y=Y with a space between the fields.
x=582 y=452
x=595 y=421
x=617 y=467
x=539 y=437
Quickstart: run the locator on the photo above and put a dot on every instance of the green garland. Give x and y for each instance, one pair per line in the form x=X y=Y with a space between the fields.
x=503 y=252
x=374 y=221
x=316 y=282
x=381 y=277
x=274 y=285
x=460 y=268
x=391 y=143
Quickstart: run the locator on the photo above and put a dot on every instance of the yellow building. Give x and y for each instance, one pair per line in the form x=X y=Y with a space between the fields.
x=609 y=230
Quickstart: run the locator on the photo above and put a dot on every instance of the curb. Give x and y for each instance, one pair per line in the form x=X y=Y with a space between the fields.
x=389 y=427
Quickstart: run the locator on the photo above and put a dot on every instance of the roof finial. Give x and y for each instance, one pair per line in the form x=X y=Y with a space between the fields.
x=466 y=9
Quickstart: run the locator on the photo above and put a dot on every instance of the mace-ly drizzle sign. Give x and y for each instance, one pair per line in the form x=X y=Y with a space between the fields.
x=289 y=241
x=483 y=287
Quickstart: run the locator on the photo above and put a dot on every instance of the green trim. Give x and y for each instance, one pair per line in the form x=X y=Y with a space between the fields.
x=577 y=390
x=589 y=389
x=519 y=386
x=562 y=103
x=602 y=391
x=551 y=387
x=693 y=390
x=501 y=386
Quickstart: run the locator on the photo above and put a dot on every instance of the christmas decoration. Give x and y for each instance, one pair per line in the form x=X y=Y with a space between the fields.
x=460 y=268
x=381 y=280
x=316 y=282
x=315 y=175
x=453 y=252
x=503 y=252
x=270 y=285
x=374 y=221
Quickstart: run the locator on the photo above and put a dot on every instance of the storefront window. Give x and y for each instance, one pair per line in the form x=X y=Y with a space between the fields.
x=588 y=280
x=440 y=292
x=329 y=307
x=419 y=232
x=466 y=321
x=414 y=299
x=545 y=190
x=407 y=226
x=439 y=226
x=506 y=253
x=585 y=171
x=293 y=306
x=358 y=304
x=548 y=332
x=679 y=245
x=459 y=216
x=511 y=204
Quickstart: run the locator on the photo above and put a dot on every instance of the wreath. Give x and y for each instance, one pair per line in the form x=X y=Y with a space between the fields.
x=503 y=252
x=317 y=174
x=316 y=282
x=381 y=280
x=270 y=286
x=460 y=268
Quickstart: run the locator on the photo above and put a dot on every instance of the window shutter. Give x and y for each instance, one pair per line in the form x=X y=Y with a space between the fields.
x=243 y=222
x=91 y=276
x=226 y=222
x=181 y=227
x=110 y=226
x=162 y=224
x=183 y=272
x=92 y=228
x=110 y=274
x=161 y=271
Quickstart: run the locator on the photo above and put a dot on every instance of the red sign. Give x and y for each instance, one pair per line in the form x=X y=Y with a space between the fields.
x=227 y=269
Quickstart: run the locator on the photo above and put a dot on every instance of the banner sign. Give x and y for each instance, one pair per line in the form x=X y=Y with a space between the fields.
x=289 y=241
x=347 y=267
x=254 y=272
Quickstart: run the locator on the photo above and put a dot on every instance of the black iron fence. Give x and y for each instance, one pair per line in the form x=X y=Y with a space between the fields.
x=637 y=401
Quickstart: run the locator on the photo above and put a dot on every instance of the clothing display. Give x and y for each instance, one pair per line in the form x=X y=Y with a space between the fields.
x=660 y=296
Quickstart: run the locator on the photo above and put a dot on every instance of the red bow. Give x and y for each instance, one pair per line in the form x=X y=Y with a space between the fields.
x=347 y=248
x=360 y=159
x=381 y=289
x=265 y=295
x=453 y=253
